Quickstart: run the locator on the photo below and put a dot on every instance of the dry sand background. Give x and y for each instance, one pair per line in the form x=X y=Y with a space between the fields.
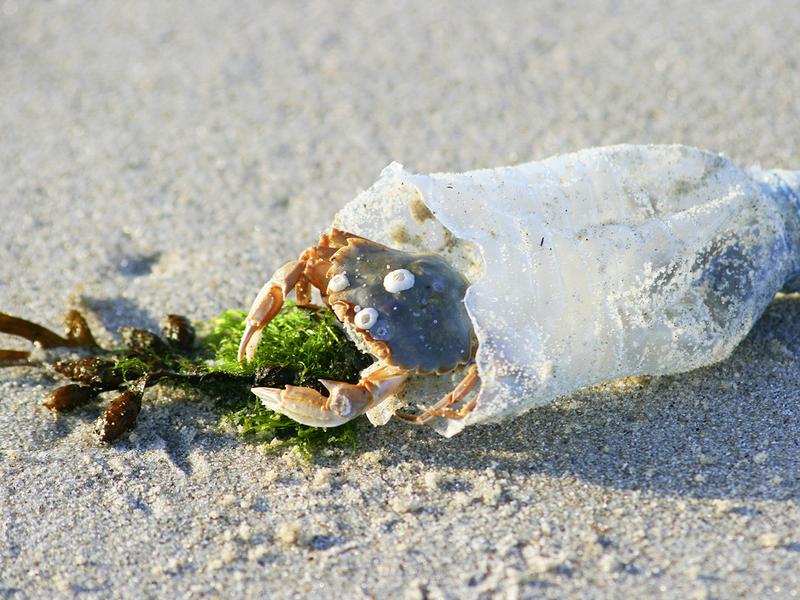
x=167 y=158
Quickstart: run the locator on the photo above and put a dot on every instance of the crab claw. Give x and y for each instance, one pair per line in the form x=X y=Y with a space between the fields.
x=345 y=402
x=309 y=407
x=267 y=304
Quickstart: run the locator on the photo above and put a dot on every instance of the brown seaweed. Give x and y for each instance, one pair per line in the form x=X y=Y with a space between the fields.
x=98 y=373
x=178 y=332
x=41 y=336
x=68 y=397
x=121 y=413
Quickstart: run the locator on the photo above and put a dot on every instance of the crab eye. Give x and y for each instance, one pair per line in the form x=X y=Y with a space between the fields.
x=366 y=318
x=398 y=280
x=338 y=283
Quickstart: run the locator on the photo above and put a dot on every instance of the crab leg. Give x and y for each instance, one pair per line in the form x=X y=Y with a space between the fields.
x=267 y=304
x=310 y=269
x=346 y=400
x=442 y=407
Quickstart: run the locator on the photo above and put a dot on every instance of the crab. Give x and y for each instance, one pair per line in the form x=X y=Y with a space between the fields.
x=404 y=308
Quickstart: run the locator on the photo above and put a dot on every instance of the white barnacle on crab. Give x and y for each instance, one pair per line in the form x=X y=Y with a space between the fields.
x=530 y=282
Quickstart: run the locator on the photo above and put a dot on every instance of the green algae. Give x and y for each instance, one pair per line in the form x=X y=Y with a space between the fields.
x=300 y=346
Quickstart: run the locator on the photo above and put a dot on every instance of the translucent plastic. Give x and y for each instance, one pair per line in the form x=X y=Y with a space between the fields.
x=609 y=262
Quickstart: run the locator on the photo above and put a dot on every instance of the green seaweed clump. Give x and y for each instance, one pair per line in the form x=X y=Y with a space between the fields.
x=299 y=346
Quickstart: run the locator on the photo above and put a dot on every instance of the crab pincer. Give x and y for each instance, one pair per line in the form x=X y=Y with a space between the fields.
x=344 y=402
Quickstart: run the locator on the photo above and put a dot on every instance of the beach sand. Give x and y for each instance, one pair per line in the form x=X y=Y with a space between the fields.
x=167 y=157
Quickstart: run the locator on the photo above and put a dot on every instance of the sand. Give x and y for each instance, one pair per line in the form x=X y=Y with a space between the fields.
x=166 y=158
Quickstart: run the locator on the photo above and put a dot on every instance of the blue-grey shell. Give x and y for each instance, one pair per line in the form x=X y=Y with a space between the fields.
x=426 y=327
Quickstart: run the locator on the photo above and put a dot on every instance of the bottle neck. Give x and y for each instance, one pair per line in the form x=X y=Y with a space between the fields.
x=784 y=187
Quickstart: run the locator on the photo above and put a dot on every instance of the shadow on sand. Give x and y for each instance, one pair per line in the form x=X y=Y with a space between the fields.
x=727 y=431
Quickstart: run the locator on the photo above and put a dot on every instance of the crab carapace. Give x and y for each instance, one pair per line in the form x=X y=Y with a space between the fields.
x=405 y=308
